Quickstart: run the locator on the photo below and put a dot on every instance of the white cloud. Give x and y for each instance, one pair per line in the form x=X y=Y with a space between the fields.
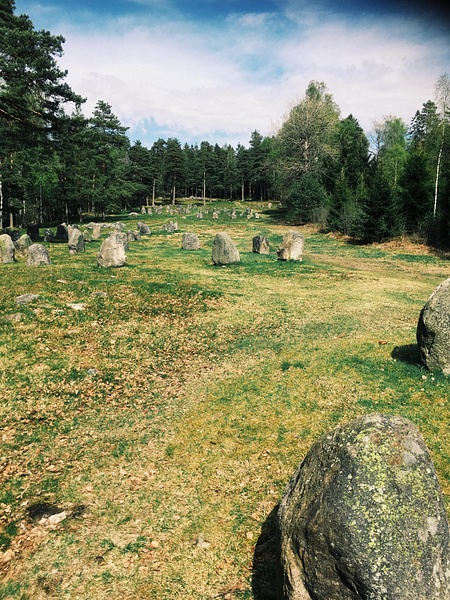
x=195 y=81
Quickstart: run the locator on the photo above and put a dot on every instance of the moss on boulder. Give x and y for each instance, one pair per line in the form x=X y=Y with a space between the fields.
x=363 y=517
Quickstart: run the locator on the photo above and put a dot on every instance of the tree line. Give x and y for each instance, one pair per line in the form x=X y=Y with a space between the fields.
x=58 y=164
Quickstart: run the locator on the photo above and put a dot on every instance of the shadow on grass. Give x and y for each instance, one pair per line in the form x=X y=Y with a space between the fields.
x=266 y=560
x=409 y=354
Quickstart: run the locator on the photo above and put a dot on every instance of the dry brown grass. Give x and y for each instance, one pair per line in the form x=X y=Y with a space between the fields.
x=211 y=384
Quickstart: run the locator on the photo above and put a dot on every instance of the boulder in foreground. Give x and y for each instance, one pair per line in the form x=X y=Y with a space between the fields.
x=363 y=518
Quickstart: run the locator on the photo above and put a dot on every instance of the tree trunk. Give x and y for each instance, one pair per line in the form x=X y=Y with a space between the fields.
x=204 y=187
x=153 y=192
x=1 y=202
x=438 y=170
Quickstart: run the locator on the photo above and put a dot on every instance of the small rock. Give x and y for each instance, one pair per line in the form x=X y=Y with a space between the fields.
x=200 y=542
x=27 y=298
x=14 y=318
x=77 y=305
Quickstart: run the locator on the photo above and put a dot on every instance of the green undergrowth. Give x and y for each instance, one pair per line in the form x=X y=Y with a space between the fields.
x=165 y=415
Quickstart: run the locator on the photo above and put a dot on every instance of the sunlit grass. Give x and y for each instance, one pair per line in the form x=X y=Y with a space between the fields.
x=166 y=417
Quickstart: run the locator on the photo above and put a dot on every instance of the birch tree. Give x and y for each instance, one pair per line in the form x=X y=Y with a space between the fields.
x=442 y=92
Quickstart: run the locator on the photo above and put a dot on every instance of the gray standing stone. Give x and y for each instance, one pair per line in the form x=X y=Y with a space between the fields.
x=23 y=243
x=7 y=249
x=433 y=330
x=96 y=231
x=171 y=227
x=122 y=236
x=48 y=235
x=37 y=256
x=260 y=244
x=190 y=241
x=33 y=232
x=292 y=246
x=112 y=252
x=363 y=517
x=224 y=252
x=76 y=241
x=144 y=229
x=62 y=232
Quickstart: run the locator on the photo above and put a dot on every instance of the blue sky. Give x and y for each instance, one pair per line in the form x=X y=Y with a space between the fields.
x=217 y=70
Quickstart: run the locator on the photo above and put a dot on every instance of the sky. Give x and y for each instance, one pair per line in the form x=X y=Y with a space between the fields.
x=217 y=70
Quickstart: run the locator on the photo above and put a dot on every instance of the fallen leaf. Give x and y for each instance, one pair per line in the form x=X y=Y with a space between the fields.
x=7 y=556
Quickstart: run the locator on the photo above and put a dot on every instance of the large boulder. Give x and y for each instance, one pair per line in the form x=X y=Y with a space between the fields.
x=37 y=256
x=292 y=246
x=190 y=241
x=7 y=249
x=224 y=252
x=363 y=518
x=433 y=330
x=112 y=251
x=76 y=241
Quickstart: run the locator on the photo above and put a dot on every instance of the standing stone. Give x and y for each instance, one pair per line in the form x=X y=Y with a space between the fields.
x=143 y=210
x=215 y=214
x=433 y=330
x=7 y=249
x=76 y=241
x=87 y=234
x=23 y=243
x=112 y=252
x=62 y=232
x=122 y=237
x=224 y=252
x=190 y=241
x=37 y=256
x=96 y=231
x=363 y=517
x=171 y=227
x=144 y=229
x=261 y=244
x=33 y=232
x=48 y=235
x=292 y=246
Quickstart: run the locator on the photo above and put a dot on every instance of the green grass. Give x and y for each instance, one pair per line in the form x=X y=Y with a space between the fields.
x=179 y=402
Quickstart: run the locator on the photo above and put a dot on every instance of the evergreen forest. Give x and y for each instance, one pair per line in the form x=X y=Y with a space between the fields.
x=57 y=164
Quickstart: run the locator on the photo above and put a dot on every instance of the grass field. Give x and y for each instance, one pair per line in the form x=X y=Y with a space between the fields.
x=162 y=422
